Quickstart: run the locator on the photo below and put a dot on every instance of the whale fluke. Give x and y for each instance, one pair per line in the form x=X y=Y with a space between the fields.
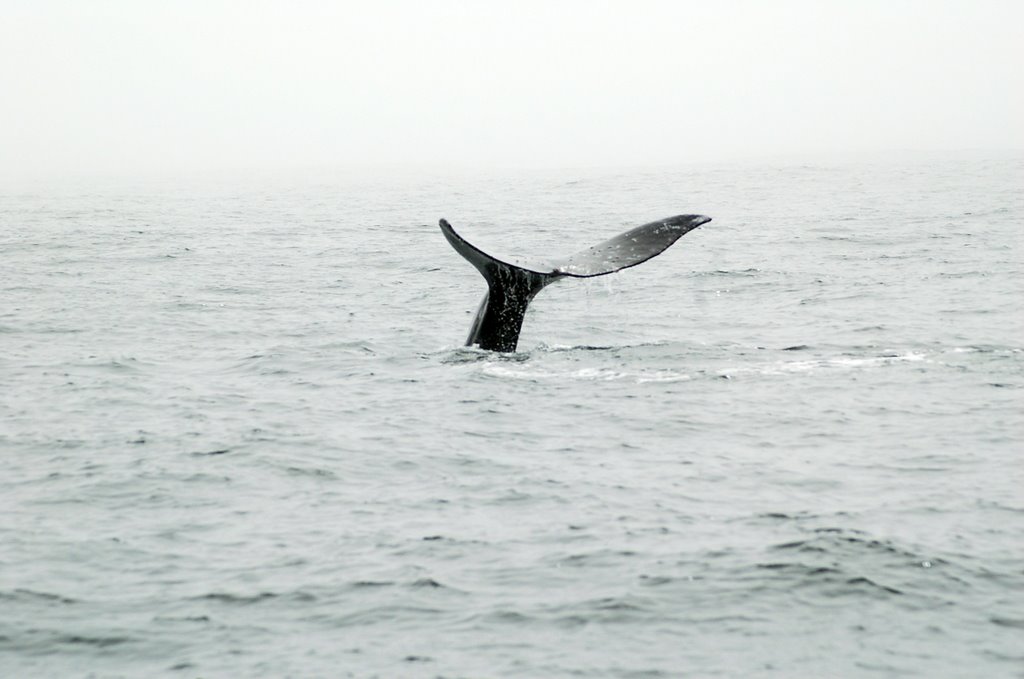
x=511 y=286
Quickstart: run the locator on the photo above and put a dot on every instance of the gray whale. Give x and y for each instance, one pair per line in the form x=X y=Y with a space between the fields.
x=511 y=286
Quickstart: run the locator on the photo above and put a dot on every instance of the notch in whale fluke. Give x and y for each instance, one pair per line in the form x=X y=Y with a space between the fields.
x=511 y=286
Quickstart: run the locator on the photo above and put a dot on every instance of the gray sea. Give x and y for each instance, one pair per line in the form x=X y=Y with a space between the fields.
x=241 y=437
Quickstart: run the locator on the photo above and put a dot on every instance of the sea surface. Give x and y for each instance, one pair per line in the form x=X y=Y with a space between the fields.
x=241 y=437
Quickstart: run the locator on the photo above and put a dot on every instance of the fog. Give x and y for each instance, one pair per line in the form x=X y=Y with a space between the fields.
x=129 y=87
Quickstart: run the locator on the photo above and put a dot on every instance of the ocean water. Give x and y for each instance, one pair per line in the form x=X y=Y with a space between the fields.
x=241 y=437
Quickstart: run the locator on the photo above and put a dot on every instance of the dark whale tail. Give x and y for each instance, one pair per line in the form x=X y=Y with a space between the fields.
x=511 y=286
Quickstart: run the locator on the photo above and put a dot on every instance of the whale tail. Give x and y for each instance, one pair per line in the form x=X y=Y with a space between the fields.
x=511 y=286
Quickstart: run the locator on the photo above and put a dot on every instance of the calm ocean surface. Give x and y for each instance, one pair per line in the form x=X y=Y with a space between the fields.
x=241 y=437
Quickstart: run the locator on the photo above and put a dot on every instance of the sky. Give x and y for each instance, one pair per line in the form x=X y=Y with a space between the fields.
x=128 y=87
